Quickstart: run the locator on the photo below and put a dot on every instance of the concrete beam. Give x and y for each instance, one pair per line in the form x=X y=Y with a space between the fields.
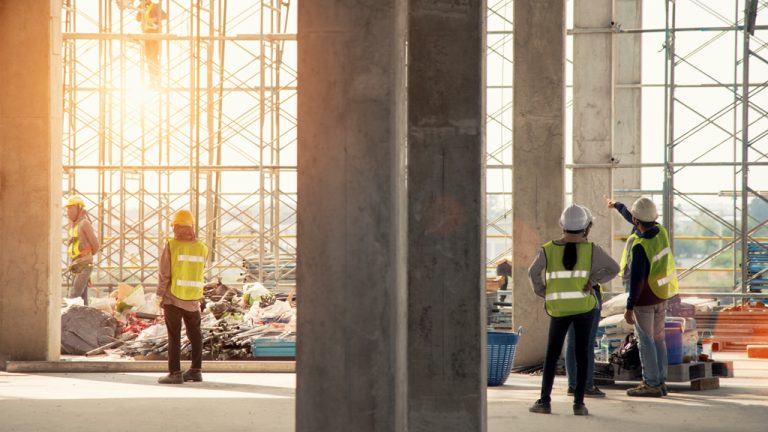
x=446 y=216
x=95 y=366
x=538 y=156
x=593 y=113
x=30 y=180
x=351 y=368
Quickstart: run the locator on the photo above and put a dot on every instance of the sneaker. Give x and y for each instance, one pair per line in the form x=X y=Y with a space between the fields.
x=540 y=407
x=664 y=390
x=195 y=375
x=171 y=378
x=580 y=410
x=594 y=392
x=645 y=390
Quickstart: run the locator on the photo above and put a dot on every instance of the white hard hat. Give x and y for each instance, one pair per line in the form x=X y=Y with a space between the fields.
x=575 y=218
x=644 y=210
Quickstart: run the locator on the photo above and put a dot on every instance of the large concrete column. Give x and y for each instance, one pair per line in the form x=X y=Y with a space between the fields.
x=538 y=159
x=30 y=180
x=627 y=130
x=351 y=372
x=593 y=112
x=446 y=217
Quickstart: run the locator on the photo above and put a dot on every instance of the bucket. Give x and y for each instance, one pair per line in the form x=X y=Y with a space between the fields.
x=501 y=355
x=673 y=331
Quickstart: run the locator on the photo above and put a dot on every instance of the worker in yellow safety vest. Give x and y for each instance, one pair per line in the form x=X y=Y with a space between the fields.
x=151 y=17
x=564 y=273
x=82 y=244
x=648 y=270
x=180 y=290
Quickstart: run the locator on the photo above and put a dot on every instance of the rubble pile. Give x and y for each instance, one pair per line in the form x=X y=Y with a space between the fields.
x=231 y=319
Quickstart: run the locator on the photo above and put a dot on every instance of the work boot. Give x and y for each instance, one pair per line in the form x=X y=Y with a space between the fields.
x=580 y=409
x=195 y=375
x=571 y=391
x=664 y=390
x=594 y=392
x=540 y=407
x=645 y=390
x=171 y=378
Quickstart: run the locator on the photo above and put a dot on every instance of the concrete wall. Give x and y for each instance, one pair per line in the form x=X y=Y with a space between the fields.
x=351 y=371
x=446 y=223
x=538 y=156
x=30 y=180
x=593 y=113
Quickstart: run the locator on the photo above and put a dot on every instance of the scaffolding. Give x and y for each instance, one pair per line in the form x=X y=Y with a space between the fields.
x=713 y=117
x=732 y=114
x=499 y=39
x=217 y=136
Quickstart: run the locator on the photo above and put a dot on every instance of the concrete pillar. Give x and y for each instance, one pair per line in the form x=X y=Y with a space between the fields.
x=351 y=371
x=593 y=112
x=446 y=217
x=30 y=180
x=538 y=185
x=627 y=113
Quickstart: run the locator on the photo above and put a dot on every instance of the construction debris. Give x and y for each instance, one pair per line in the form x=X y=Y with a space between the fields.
x=85 y=328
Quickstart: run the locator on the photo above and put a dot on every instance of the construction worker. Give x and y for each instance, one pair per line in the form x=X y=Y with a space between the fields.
x=648 y=269
x=591 y=389
x=151 y=17
x=564 y=273
x=180 y=290
x=81 y=246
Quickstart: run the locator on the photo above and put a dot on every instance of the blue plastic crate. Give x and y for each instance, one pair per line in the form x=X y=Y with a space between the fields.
x=272 y=347
x=501 y=355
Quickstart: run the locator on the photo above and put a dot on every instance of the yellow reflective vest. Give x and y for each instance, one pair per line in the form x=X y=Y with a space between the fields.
x=73 y=249
x=565 y=294
x=187 y=268
x=663 y=275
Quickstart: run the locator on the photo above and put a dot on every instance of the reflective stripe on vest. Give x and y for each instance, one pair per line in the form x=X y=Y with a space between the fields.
x=565 y=288
x=73 y=249
x=662 y=277
x=187 y=268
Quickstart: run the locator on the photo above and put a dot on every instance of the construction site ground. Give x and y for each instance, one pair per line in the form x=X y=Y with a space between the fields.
x=86 y=402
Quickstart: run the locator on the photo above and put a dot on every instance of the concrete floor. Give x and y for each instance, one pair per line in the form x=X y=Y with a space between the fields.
x=265 y=402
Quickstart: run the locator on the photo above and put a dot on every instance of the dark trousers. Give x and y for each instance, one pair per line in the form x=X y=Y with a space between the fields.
x=558 y=328
x=173 y=317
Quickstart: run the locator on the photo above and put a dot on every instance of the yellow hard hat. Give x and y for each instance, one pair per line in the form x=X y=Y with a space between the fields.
x=183 y=217
x=74 y=200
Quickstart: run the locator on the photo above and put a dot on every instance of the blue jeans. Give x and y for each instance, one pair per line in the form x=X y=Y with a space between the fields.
x=649 y=326
x=570 y=354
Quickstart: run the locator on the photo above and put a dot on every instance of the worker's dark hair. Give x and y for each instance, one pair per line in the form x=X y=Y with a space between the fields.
x=646 y=225
x=570 y=256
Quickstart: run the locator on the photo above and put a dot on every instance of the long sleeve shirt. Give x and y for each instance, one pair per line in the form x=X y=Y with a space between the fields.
x=603 y=269
x=164 y=276
x=640 y=293
x=624 y=212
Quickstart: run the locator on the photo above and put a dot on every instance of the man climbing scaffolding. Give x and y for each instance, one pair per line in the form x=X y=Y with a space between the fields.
x=151 y=17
